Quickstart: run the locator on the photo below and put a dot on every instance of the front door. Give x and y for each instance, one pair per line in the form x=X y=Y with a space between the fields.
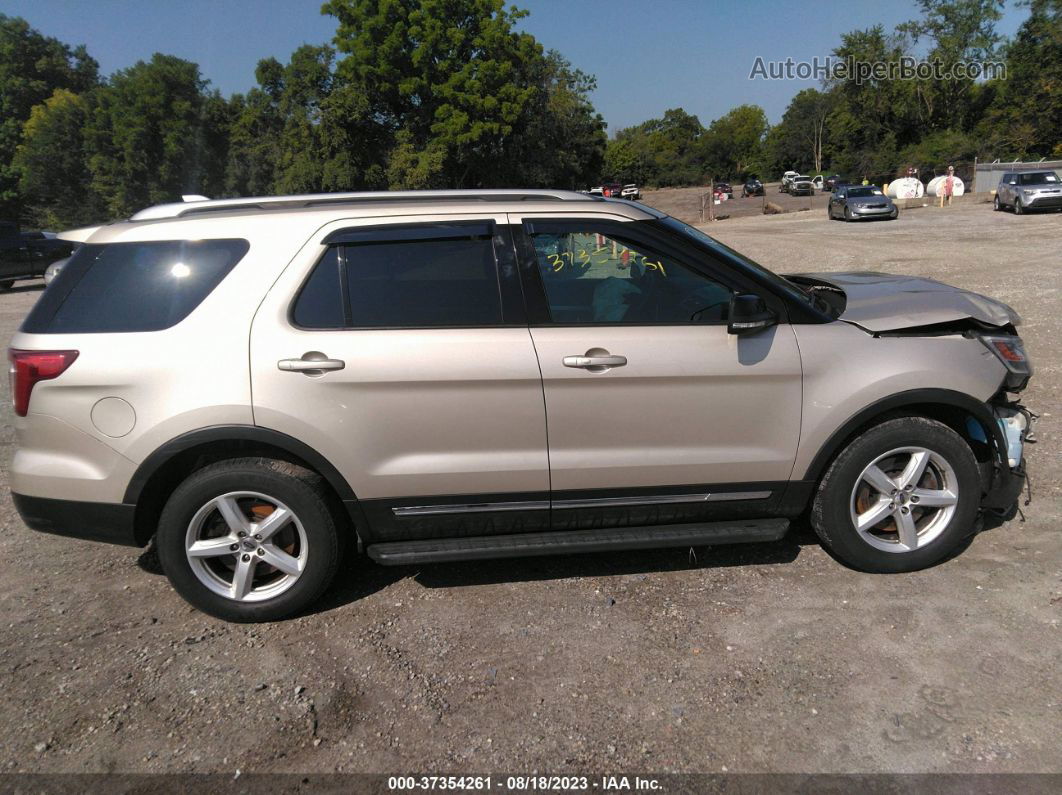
x=401 y=353
x=655 y=413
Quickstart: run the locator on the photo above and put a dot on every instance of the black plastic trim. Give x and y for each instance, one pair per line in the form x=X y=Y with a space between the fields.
x=912 y=397
x=245 y=433
x=576 y=541
x=418 y=230
x=93 y=521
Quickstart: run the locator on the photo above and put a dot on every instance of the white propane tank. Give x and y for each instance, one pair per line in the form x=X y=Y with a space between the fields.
x=906 y=188
x=936 y=186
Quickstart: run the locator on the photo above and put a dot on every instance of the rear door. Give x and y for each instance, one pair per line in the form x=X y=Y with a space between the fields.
x=656 y=414
x=400 y=352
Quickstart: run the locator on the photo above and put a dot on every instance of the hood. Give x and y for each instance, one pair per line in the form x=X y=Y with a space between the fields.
x=881 y=302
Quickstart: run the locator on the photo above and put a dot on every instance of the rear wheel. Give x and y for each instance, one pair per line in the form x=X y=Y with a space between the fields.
x=996 y=205
x=900 y=497
x=6 y=285
x=249 y=539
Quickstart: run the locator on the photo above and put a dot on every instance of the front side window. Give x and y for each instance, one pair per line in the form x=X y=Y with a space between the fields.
x=601 y=277
x=408 y=283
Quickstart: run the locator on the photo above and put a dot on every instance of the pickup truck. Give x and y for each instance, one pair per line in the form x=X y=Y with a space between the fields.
x=26 y=255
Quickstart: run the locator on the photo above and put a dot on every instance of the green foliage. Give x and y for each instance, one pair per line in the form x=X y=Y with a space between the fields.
x=733 y=145
x=660 y=152
x=1025 y=117
x=55 y=180
x=32 y=68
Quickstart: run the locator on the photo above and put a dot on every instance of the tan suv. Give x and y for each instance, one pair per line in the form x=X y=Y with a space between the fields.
x=254 y=383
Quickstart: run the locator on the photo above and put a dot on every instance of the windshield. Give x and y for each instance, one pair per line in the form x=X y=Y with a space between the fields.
x=862 y=192
x=713 y=245
x=1037 y=178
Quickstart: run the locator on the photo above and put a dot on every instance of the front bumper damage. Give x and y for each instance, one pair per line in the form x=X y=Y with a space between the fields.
x=1010 y=475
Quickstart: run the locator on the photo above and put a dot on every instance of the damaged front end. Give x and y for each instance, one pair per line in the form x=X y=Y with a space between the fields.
x=887 y=305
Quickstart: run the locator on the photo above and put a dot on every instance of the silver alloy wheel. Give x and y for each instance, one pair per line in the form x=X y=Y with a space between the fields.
x=904 y=499
x=246 y=546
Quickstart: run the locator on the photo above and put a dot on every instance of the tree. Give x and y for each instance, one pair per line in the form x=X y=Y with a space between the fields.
x=32 y=68
x=960 y=31
x=451 y=75
x=733 y=143
x=54 y=178
x=800 y=140
x=669 y=150
x=1025 y=117
x=144 y=137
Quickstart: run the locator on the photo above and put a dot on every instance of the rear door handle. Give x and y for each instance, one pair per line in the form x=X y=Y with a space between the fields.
x=595 y=360
x=311 y=363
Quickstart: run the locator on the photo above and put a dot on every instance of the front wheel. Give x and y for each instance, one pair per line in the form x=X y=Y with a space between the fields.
x=1018 y=209
x=249 y=539
x=847 y=214
x=996 y=205
x=6 y=285
x=901 y=497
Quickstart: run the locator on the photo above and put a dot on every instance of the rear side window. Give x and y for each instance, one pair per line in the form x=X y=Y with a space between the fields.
x=128 y=287
x=411 y=283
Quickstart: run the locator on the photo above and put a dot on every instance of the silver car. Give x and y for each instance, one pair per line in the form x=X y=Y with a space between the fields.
x=255 y=385
x=1029 y=190
x=855 y=202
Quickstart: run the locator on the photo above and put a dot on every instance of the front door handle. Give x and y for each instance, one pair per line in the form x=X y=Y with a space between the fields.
x=311 y=363
x=596 y=360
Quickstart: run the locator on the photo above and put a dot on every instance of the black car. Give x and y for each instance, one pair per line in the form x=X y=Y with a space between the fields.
x=831 y=183
x=724 y=187
x=26 y=255
x=752 y=187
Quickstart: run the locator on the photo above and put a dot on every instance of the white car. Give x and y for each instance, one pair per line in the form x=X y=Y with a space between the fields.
x=787 y=177
x=631 y=192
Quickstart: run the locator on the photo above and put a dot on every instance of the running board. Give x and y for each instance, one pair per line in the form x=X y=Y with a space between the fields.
x=398 y=553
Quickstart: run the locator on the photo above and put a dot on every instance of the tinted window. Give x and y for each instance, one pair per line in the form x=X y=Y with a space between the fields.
x=320 y=303
x=404 y=284
x=119 y=287
x=590 y=277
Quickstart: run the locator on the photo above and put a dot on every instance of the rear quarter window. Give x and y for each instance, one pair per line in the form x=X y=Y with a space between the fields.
x=130 y=287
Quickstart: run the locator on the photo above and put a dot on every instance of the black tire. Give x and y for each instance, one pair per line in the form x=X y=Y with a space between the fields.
x=831 y=510
x=297 y=488
x=996 y=205
x=847 y=214
x=1018 y=209
x=6 y=285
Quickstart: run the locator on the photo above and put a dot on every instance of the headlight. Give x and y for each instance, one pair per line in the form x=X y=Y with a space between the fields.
x=1009 y=350
x=1028 y=192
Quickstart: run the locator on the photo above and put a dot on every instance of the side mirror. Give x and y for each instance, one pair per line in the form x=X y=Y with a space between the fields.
x=748 y=314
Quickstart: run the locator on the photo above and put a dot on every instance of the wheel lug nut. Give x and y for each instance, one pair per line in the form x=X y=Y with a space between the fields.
x=261 y=551
x=246 y=558
x=241 y=534
x=905 y=509
x=914 y=499
x=257 y=536
x=234 y=547
x=895 y=492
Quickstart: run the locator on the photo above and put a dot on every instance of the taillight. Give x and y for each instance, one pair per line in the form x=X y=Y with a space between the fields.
x=29 y=367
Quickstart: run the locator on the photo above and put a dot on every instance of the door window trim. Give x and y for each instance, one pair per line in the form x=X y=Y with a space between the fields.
x=510 y=298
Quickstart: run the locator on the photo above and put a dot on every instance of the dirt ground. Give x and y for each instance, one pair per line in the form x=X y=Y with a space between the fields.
x=766 y=657
x=685 y=203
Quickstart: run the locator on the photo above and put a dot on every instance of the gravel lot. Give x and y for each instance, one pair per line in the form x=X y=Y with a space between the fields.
x=757 y=658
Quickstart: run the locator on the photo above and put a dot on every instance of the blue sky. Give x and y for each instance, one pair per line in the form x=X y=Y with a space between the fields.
x=647 y=56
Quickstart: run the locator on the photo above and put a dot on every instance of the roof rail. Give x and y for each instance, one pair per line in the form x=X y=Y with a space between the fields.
x=196 y=205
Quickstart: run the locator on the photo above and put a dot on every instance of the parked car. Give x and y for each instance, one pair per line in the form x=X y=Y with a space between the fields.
x=259 y=383
x=856 y=202
x=53 y=270
x=786 y=179
x=724 y=188
x=752 y=187
x=832 y=182
x=801 y=186
x=26 y=255
x=1029 y=190
x=631 y=192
